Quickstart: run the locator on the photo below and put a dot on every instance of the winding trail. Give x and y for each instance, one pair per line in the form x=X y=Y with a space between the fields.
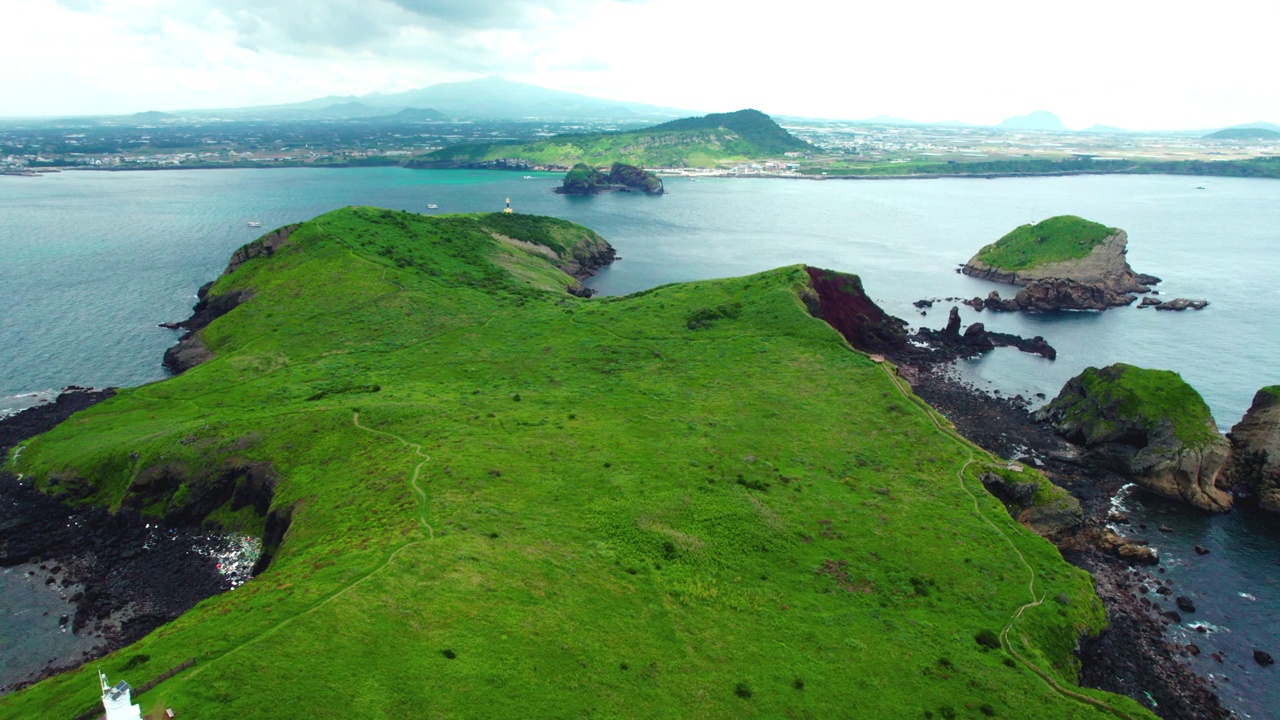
x=1036 y=601
x=417 y=470
x=422 y=499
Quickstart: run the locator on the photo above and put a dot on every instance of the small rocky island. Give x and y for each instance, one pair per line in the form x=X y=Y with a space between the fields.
x=1063 y=263
x=1149 y=425
x=583 y=179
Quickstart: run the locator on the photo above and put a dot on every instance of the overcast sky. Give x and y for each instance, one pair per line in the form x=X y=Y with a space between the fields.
x=1131 y=63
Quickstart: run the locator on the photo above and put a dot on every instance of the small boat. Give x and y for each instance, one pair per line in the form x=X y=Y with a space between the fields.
x=254 y=223
x=432 y=206
x=528 y=177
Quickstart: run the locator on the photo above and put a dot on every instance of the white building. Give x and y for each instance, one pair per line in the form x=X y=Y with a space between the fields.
x=117 y=702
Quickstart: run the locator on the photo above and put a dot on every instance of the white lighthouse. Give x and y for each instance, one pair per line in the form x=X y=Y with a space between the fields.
x=116 y=700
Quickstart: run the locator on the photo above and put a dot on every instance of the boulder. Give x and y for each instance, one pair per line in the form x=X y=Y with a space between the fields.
x=1149 y=425
x=1184 y=604
x=1262 y=657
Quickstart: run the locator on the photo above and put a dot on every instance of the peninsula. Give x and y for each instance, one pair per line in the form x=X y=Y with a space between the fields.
x=478 y=490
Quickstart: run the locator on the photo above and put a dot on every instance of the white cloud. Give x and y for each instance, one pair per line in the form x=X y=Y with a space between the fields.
x=1135 y=63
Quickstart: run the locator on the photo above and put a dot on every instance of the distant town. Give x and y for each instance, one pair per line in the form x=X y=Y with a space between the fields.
x=155 y=141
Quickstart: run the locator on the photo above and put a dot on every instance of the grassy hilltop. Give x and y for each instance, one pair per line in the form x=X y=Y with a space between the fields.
x=695 y=501
x=708 y=141
x=1064 y=237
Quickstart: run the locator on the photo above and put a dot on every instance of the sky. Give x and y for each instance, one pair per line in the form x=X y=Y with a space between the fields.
x=1134 y=64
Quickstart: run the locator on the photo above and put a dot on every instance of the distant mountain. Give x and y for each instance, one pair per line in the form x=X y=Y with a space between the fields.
x=1038 y=120
x=490 y=98
x=752 y=126
x=1244 y=133
x=708 y=141
x=152 y=116
x=1262 y=125
x=414 y=115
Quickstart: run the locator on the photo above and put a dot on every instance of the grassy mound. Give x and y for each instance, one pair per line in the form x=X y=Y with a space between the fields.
x=1112 y=403
x=563 y=507
x=708 y=141
x=1064 y=237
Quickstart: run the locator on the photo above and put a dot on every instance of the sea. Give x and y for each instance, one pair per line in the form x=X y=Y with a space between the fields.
x=92 y=262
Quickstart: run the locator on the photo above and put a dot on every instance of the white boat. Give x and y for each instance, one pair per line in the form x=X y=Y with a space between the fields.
x=254 y=223
x=432 y=206
x=528 y=177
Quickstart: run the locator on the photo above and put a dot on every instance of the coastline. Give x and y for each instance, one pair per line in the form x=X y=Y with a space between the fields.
x=1133 y=656
x=120 y=575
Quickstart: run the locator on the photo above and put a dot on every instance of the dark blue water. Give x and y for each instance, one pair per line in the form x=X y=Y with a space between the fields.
x=91 y=262
x=1235 y=590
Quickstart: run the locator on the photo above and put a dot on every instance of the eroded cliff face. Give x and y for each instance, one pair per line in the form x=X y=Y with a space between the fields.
x=839 y=299
x=1100 y=280
x=1134 y=432
x=1255 y=442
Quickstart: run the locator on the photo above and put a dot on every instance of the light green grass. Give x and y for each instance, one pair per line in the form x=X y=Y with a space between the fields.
x=1064 y=237
x=628 y=517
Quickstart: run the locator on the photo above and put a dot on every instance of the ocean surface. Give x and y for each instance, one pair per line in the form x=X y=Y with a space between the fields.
x=91 y=262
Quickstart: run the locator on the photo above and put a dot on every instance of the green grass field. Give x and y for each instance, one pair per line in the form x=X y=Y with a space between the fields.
x=562 y=508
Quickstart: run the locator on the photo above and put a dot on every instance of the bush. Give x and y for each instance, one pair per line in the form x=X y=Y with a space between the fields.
x=134 y=662
x=988 y=639
x=448 y=653
x=798 y=683
x=987 y=710
x=742 y=690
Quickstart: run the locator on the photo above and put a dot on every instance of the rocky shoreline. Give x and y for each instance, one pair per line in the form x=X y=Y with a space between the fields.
x=1133 y=657
x=123 y=575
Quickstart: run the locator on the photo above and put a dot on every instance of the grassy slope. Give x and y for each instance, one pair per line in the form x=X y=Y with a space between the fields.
x=1063 y=237
x=1142 y=396
x=626 y=517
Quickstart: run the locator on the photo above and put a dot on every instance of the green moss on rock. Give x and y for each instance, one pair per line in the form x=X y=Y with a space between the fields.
x=1115 y=403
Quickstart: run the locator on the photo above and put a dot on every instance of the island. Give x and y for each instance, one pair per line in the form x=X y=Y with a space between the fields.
x=475 y=489
x=582 y=179
x=1063 y=263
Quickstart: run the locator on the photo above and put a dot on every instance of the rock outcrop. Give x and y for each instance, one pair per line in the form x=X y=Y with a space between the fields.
x=1099 y=279
x=1255 y=442
x=583 y=179
x=1035 y=502
x=1058 y=294
x=1149 y=425
x=976 y=340
x=839 y=299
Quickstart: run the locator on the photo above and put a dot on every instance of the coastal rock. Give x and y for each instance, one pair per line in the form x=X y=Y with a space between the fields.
x=1135 y=552
x=1149 y=425
x=1056 y=294
x=1035 y=502
x=1263 y=658
x=1179 y=304
x=1184 y=604
x=976 y=339
x=264 y=246
x=1255 y=443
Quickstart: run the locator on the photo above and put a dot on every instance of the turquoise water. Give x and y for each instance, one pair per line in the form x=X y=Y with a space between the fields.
x=90 y=263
